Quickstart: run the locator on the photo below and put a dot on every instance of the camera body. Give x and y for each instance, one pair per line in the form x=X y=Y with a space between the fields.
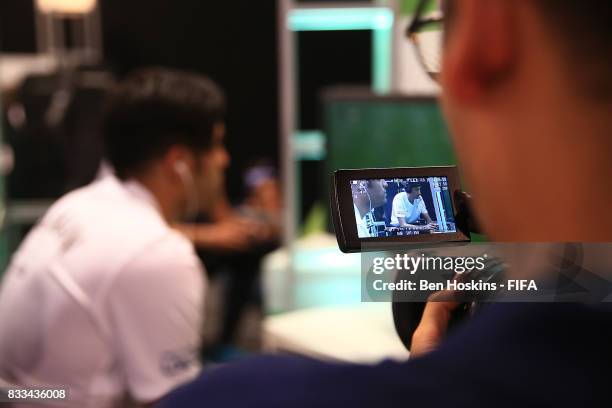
x=401 y=208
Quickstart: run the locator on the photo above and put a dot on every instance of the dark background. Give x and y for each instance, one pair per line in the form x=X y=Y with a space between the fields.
x=235 y=43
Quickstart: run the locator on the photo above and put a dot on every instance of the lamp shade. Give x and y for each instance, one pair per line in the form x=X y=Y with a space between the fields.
x=66 y=6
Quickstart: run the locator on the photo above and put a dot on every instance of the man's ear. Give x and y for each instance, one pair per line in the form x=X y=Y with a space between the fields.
x=480 y=50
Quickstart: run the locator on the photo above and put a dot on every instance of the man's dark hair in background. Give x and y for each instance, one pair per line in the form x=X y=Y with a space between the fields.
x=411 y=186
x=155 y=108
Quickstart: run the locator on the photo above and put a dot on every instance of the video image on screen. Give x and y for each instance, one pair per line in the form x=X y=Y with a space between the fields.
x=402 y=207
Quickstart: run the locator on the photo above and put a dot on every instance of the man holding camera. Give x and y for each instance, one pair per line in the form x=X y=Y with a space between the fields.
x=527 y=92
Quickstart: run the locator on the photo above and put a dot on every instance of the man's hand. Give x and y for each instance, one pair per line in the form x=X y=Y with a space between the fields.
x=427 y=227
x=433 y=324
x=233 y=234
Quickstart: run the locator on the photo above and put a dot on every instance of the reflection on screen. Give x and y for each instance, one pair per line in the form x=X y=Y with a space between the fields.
x=402 y=207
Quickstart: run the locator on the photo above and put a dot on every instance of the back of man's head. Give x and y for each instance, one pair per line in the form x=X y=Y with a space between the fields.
x=527 y=95
x=155 y=108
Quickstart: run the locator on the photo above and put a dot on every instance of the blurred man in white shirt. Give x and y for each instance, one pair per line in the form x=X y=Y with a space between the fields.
x=367 y=196
x=103 y=297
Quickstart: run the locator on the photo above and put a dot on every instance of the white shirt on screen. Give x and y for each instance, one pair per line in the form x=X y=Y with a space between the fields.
x=362 y=229
x=102 y=298
x=403 y=208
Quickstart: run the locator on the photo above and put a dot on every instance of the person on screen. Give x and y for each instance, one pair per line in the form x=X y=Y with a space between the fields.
x=367 y=196
x=103 y=297
x=408 y=207
x=527 y=94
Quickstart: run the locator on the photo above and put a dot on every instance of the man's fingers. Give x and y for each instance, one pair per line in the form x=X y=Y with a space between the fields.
x=434 y=323
x=438 y=310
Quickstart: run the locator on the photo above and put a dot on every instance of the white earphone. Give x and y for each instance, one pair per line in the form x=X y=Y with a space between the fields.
x=184 y=173
x=181 y=168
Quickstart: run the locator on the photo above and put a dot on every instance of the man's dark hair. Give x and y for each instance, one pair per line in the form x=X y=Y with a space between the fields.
x=411 y=186
x=155 y=108
x=585 y=27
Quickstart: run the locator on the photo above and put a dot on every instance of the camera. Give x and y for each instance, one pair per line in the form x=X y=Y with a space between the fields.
x=399 y=208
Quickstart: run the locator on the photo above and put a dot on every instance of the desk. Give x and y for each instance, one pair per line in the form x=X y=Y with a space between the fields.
x=361 y=333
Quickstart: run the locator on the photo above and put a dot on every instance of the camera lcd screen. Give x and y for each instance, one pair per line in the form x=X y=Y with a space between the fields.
x=378 y=209
x=391 y=207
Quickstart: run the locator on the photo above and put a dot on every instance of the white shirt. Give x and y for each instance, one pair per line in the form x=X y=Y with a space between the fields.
x=362 y=229
x=103 y=298
x=403 y=208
